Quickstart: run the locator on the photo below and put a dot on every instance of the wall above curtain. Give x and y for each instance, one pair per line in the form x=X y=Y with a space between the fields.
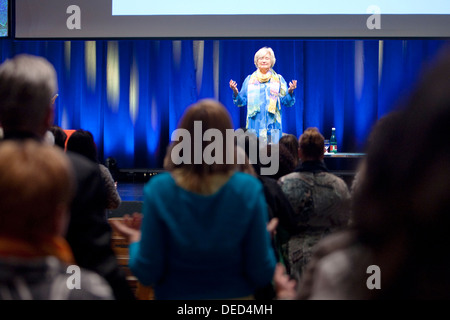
x=131 y=93
x=236 y=19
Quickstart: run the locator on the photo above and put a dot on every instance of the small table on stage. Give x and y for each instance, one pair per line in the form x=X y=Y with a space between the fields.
x=344 y=155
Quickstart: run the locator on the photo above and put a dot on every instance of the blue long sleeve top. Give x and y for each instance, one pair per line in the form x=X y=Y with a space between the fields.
x=203 y=247
x=264 y=123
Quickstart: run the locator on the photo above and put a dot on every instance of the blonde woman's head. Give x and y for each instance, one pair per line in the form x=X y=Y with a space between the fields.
x=263 y=52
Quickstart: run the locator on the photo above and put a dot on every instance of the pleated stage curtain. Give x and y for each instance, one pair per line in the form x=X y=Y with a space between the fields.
x=131 y=93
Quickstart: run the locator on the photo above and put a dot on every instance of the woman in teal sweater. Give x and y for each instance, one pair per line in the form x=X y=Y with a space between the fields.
x=203 y=233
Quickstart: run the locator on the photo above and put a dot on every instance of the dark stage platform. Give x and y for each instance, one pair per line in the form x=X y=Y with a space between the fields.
x=131 y=182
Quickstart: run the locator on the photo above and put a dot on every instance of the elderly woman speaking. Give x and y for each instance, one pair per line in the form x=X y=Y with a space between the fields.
x=263 y=92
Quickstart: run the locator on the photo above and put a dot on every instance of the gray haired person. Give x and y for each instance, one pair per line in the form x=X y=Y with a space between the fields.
x=28 y=89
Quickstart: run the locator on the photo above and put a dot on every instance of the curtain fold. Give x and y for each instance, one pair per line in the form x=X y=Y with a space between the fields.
x=131 y=93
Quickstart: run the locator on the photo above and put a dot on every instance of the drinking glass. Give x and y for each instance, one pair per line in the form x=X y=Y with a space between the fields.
x=327 y=145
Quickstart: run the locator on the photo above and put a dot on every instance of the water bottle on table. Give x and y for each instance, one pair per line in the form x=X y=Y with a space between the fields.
x=333 y=141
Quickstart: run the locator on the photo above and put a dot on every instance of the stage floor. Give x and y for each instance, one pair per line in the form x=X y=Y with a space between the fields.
x=132 y=196
x=130 y=191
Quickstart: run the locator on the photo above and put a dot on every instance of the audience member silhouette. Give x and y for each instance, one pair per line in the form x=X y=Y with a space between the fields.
x=320 y=200
x=290 y=141
x=37 y=186
x=60 y=136
x=203 y=232
x=396 y=247
x=27 y=91
x=286 y=162
x=82 y=142
x=278 y=205
x=267 y=292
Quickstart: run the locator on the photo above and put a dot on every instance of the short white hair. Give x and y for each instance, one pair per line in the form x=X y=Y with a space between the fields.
x=262 y=52
x=27 y=85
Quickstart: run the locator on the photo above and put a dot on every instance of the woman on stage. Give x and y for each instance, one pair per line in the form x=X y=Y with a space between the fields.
x=263 y=92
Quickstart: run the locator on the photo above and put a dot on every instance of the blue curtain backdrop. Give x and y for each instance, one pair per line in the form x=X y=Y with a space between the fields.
x=131 y=93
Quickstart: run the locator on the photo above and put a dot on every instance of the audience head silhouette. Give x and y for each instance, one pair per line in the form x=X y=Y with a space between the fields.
x=291 y=143
x=60 y=136
x=209 y=114
x=400 y=208
x=82 y=142
x=37 y=186
x=311 y=145
x=27 y=85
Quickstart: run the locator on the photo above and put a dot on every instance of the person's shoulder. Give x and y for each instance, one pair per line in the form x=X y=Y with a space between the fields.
x=271 y=186
x=246 y=183
x=80 y=162
x=338 y=240
x=295 y=180
x=88 y=177
x=269 y=183
x=290 y=176
x=104 y=169
x=245 y=177
x=85 y=170
x=336 y=180
x=94 y=286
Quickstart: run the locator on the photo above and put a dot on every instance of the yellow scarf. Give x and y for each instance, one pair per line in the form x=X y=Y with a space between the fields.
x=51 y=246
x=253 y=92
x=263 y=77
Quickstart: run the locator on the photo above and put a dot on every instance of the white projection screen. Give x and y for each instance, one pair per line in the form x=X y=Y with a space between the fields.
x=238 y=19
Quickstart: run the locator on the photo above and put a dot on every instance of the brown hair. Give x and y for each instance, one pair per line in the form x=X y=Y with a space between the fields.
x=35 y=181
x=290 y=141
x=211 y=114
x=311 y=143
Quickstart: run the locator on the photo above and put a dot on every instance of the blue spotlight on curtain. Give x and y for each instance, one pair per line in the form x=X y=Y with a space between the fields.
x=131 y=93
